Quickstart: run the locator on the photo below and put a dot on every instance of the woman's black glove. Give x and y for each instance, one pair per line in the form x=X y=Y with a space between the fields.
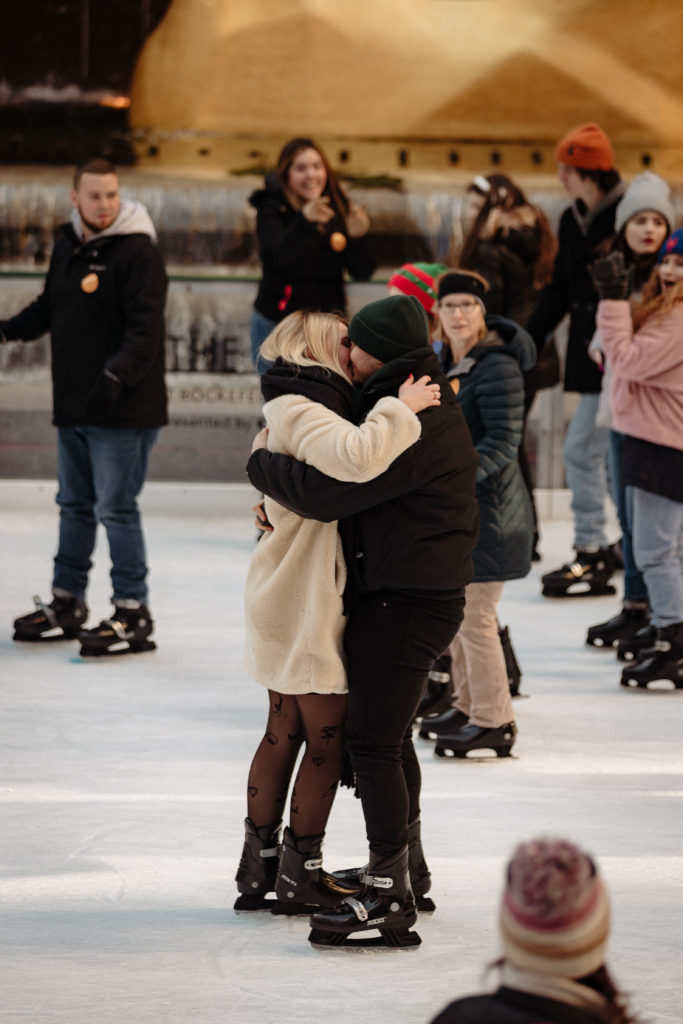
x=612 y=279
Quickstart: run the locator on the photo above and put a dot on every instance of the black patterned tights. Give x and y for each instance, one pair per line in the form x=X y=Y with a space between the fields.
x=316 y=722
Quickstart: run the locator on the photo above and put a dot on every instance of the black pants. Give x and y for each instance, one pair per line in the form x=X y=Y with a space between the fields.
x=391 y=642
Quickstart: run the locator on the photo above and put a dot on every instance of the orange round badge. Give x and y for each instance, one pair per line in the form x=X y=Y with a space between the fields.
x=90 y=283
x=338 y=241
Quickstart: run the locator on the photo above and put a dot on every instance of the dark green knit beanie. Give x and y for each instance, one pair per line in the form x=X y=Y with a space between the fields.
x=390 y=328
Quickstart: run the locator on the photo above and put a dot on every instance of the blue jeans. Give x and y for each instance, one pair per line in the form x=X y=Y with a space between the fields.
x=101 y=473
x=585 y=464
x=259 y=329
x=658 y=550
x=634 y=584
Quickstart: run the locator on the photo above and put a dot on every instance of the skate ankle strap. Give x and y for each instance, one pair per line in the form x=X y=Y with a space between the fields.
x=376 y=881
x=313 y=864
x=272 y=851
x=663 y=646
x=357 y=907
x=46 y=610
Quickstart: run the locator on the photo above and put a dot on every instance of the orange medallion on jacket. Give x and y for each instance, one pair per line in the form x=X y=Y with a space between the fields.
x=338 y=241
x=455 y=385
x=90 y=283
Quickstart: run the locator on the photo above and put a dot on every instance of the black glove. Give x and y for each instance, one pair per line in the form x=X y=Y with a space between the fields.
x=611 y=278
x=104 y=394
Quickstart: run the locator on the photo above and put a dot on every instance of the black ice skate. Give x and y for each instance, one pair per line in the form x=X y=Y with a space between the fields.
x=514 y=672
x=631 y=648
x=302 y=887
x=587 y=576
x=126 y=632
x=663 y=661
x=437 y=695
x=61 y=619
x=418 y=872
x=621 y=627
x=447 y=722
x=257 y=870
x=386 y=905
x=477 y=739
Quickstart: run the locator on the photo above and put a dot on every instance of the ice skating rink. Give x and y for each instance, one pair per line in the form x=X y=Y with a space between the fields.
x=123 y=801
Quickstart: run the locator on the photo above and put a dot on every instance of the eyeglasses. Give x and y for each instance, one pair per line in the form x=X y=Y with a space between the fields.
x=467 y=306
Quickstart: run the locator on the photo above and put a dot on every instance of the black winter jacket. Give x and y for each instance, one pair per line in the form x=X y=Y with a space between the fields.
x=510 y=1006
x=571 y=289
x=300 y=268
x=412 y=528
x=118 y=326
x=491 y=396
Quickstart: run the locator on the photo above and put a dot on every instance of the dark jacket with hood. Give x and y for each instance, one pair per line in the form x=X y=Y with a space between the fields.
x=300 y=268
x=571 y=290
x=103 y=304
x=491 y=396
x=413 y=527
x=510 y=1006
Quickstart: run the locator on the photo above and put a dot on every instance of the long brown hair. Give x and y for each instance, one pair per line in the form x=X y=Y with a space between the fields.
x=333 y=189
x=655 y=302
x=502 y=197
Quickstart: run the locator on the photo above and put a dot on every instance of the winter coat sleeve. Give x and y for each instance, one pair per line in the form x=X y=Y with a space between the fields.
x=32 y=322
x=142 y=296
x=499 y=401
x=316 y=435
x=653 y=352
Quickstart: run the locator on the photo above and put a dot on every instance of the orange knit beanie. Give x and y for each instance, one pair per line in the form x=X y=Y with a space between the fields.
x=586 y=147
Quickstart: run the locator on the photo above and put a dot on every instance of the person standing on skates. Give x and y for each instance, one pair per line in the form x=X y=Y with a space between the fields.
x=103 y=304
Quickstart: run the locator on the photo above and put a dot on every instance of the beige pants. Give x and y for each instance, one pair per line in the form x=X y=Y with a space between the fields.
x=480 y=681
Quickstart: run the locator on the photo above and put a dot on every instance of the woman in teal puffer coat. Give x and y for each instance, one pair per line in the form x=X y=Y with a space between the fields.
x=486 y=359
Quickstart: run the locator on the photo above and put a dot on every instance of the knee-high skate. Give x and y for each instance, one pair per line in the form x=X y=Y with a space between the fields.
x=126 y=632
x=587 y=575
x=514 y=672
x=662 y=661
x=437 y=695
x=62 y=619
x=386 y=905
x=257 y=869
x=301 y=886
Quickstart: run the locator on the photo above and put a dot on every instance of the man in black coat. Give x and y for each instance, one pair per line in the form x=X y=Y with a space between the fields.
x=585 y=160
x=408 y=537
x=103 y=304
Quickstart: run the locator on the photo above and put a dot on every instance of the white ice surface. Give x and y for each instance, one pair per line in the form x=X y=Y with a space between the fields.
x=122 y=802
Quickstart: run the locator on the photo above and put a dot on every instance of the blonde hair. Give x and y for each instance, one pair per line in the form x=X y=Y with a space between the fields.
x=302 y=339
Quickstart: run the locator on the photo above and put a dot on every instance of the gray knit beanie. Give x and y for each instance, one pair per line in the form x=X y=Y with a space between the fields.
x=647 y=191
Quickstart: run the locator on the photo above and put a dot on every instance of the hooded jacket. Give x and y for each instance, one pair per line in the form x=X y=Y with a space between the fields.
x=103 y=304
x=300 y=268
x=293 y=596
x=413 y=527
x=491 y=396
x=510 y=1006
x=571 y=290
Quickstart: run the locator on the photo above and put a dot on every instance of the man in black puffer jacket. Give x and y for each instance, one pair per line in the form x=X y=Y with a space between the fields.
x=103 y=304
x=408 y=537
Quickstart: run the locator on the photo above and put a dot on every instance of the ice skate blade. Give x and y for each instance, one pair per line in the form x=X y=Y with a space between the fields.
x=48 y=637
x=116 y=650
x=588 y=590
x=659 y=684
x=478 y=754
x=389 y=939
x=248 y=904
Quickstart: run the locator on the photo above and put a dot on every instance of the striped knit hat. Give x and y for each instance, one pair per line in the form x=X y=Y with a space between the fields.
x=554 y=914
x=417 y=279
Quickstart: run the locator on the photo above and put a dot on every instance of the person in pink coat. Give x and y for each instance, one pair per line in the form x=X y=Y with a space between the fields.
x=645 y=350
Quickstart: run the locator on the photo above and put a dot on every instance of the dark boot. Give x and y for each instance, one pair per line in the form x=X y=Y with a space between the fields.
x=126 y=632
x=631 y=648
x=386 y=904
x=62 y=619
x=302 y=887
x=662 y=661
x=418 y=872
x=514 y=672
x=257 y=870
x=437 y=695
x=433 y=725
x=621 y=627
x=472 y=738
x=587 y=575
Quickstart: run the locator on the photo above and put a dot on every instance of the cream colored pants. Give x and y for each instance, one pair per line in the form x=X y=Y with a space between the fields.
x=480 y=681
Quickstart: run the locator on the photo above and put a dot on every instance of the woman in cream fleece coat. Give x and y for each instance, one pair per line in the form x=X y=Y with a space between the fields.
x=293 y=604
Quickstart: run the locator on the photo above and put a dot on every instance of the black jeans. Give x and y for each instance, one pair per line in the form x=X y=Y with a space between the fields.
x=391 y=642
